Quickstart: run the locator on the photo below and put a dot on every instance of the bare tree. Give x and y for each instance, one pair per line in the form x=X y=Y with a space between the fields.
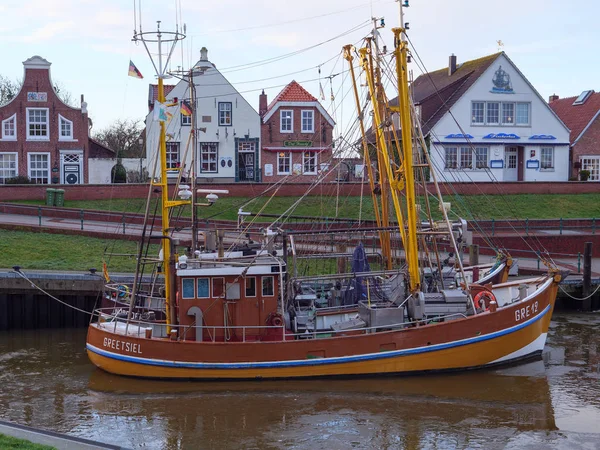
x=64 y=95
x=123 y=137
x=8 y=89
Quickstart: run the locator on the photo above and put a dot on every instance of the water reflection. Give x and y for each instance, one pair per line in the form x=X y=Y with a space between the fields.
x=47 y=382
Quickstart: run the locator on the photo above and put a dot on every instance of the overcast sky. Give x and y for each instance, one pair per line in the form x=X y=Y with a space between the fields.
x=89 y=43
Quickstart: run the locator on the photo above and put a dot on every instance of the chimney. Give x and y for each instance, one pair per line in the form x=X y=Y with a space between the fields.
x=452 y=65
x=203 y=54
x=262 y=104
x=553 y=98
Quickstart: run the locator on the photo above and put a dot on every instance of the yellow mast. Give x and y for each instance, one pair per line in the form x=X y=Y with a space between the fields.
x=410 y=245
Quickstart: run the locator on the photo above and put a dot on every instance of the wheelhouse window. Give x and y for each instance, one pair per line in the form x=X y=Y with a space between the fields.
x=209 y=152
x=8 y=166
x=250 y=286
x=268 y=288
x=286 y=118
x=309 y=163
x=218 y=287
x=65 y=129
x=39 y=167
x=203 y=285
x=547 y=158
x=188 y=288
x=37 y=124
x=9 y=128
x=284 y=163
x=225 y=119
x=451 y=158
x=173 y=155
x=481 y=157
x=308 y=122
x=477 y=111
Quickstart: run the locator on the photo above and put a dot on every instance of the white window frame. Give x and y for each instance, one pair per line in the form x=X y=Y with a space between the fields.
x=5 y=123
x=469 y=155
x=499 y=111
x=311 y=113
x=552 y=161
x=210 y=146
x=60 y=135
x=198 y=286
x=487 y=158
x=592 y=164
x=170 y=152
x=262 y=285
x=305 y=159
x=291 y=119
x=288 y=156
x=38 y=138
x=183 y=281
x=3 y=178
x=186 y=121
x=508 y=123
x=221 y=109
x=456 y=160
x=501 y=106
x=528 y=123
x=29 y=155
x=473 y=118
x=246 y=288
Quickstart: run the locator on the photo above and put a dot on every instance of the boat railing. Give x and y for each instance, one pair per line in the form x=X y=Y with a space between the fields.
x=248 y=331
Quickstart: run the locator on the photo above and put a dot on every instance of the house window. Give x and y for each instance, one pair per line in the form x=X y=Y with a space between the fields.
x=547 y=158
x=466 y=158
x=309 y=163
x=481 y=157
x=203 y=285
x=493 y=113
x=508 y=113
x=9 y=128
x=37 y=123
x=173 y=155
x=218 y=287
x=65 y=129
x=451 y=158
x=477 y=113
x=308 y=123
x=187 y=288
x=209 y=151
x=286 y=118
x=522 y=115
x=8 y=166
x=284 y=163
x=39 y=167
x=186 y=121
x=268 y=289
x=250 y=286
x=592 y=164
x=225 y=114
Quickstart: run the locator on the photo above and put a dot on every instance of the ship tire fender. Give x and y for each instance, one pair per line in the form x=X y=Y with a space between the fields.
x=483 y=299
x=122 y=290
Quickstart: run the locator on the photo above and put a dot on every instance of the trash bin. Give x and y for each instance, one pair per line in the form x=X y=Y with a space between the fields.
x=50 y=196
x=59 y=197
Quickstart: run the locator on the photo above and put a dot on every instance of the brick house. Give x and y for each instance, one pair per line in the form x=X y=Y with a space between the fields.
x=582 y=115
x=41 y=137
x=296 y=135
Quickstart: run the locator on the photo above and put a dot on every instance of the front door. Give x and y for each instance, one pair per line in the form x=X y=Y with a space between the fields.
x=511 y=171
x=71 y=168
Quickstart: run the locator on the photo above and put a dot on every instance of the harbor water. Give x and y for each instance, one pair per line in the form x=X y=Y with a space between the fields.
x=46 y=381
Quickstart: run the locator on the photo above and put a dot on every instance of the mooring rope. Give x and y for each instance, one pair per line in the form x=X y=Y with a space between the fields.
x=577 y=298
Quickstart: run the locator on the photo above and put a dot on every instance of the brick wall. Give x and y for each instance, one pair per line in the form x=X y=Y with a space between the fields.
x=589 y=144
x=38 y=80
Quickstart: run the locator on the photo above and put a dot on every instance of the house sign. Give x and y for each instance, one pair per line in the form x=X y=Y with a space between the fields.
x=37 y=96
x=459 y=136
x=297 y=143
x=548 y=137
x=502 y=84
x=501 y=136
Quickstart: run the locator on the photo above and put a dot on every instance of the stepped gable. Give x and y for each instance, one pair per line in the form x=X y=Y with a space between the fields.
x=293 y=92
x=576 y=117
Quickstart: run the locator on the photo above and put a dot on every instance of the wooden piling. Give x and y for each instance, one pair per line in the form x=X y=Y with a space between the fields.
x=473 y=254
x=587 y=277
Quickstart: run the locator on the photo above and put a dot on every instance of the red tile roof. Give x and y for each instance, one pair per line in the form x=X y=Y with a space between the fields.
x=153 y=93
x=293 y=92
x=579 y=116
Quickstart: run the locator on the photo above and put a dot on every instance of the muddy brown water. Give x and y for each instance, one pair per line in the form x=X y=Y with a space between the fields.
x=46 y=381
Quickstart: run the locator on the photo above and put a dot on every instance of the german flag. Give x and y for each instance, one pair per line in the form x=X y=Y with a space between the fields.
x=133 y=71
x=186 y=109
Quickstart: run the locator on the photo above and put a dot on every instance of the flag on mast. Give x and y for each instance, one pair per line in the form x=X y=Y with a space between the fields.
x=186 y=109
x=133 y=71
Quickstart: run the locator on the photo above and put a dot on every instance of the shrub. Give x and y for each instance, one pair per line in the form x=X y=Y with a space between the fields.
x=21 y=179
x=584 y=175
x=118 y=174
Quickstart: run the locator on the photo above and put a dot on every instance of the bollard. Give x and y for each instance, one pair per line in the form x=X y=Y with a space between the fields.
x=40 y=215
x=81 y=216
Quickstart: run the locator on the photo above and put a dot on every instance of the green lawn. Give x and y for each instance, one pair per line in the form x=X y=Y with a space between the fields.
x=520 y=206
x=65 y=252
x=8 y=442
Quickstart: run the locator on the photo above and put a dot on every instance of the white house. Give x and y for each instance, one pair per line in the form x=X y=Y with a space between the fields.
x=227 y=143
x=486 y=122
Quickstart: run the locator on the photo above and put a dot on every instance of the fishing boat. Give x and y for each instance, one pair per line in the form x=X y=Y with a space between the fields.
x=239 y=314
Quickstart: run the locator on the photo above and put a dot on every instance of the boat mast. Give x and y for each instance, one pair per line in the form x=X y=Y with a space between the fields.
x=410 y=244
x=164 y=37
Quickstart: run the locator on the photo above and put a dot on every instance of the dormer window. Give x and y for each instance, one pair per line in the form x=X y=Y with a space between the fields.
x=37 y=124
x=9 y=128
x=65 y=129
